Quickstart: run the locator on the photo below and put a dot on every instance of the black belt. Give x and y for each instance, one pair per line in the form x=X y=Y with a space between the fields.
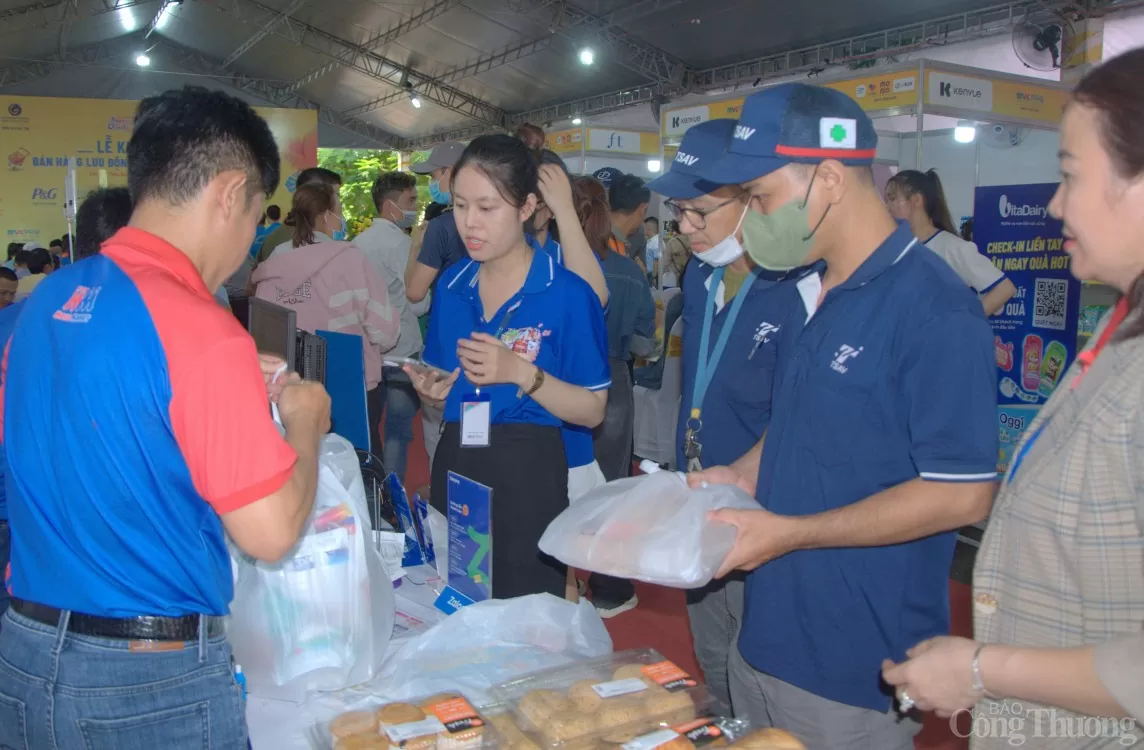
x=184 y=628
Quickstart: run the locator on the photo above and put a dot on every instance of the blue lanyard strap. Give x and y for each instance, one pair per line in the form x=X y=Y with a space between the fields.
x=708 y=358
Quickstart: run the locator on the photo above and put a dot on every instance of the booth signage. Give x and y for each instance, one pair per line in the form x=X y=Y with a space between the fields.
x=1035 y=336
x=678 y=122
x=963 y=92
x=728 y=109
x=620 y=141
x=1030 y=102
x=564 y=141
x=884 y=91
x=40 y=137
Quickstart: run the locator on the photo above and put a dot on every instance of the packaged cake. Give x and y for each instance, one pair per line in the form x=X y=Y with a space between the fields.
x=446 y=721
x=613 y=700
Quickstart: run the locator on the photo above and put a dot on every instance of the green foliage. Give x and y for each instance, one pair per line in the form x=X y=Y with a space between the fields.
x=359 y=168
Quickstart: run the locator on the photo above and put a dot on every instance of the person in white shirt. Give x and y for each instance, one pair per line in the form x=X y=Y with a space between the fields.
x=917 y=197
x=386 y=246
x=651 y=231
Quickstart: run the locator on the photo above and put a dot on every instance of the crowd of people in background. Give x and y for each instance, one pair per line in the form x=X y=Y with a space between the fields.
x=837 y=364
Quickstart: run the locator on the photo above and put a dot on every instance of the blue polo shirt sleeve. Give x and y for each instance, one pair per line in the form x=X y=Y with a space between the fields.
x=584 y=339
x=948 y=379
x=437 y=244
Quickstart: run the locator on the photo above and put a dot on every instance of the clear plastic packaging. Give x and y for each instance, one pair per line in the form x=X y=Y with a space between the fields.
x=445 y=721
x=321 y=618
x=650 y=528
x=768 y=739
x=615 y=699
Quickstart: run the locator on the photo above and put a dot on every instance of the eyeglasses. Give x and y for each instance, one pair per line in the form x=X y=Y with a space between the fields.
x=697 y=217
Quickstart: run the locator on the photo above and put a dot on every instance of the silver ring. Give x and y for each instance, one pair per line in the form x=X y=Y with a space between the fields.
x=905 y=703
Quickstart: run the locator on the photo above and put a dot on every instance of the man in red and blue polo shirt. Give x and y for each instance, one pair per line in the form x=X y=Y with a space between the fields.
x=136 y=429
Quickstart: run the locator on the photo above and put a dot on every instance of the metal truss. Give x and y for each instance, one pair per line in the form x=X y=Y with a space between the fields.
x=259 y=35
x=367 y=62
x=480 y=65
x=585 y=107
x=23 y=72
x=163 y=8
x=57 y=13
x=402 y=28
x=630 y=52
x=960 y=27
x=192 y=62
x=71 y=9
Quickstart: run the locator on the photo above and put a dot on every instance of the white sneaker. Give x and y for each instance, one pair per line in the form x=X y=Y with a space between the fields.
x=608 y=610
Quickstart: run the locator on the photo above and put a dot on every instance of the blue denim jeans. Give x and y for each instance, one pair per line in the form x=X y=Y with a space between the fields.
x=401 y=403
x=5 y=553
x=59 y=690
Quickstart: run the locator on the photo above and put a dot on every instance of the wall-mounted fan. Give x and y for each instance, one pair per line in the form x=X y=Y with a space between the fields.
x=1038 y=46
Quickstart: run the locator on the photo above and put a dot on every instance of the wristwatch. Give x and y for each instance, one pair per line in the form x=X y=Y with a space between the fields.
x=537 y=382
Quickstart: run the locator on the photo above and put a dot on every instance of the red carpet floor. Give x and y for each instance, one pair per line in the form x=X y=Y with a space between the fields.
x=660 y=621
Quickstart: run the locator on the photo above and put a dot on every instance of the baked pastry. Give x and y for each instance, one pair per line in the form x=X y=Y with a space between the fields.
x=624 y=719
x=538 y=706
x=396 y=714
x=679 y=743
x=464 y=727
x=363 y=742
x=584 y=697
x=353 y=722
x=635 y=672
x=511 y=735
x=769 y=739
x=671 y=708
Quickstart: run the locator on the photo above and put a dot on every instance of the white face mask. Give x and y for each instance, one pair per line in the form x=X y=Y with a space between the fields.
x=728 y=251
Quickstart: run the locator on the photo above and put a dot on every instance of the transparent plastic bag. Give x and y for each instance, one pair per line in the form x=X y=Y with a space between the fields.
x=322 y=617
x=650 y=528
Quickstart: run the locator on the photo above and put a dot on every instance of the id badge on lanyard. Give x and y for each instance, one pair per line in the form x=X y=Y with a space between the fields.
x=708 y=360
x=476 y=420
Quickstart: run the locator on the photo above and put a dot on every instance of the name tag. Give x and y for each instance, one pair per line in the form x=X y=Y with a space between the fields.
x=476 y=418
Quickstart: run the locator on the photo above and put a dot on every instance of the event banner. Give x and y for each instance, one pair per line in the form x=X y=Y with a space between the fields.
x=1036 y=334
x=41 y=136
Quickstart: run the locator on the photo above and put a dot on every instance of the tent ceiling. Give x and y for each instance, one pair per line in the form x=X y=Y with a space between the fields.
x=472 y=62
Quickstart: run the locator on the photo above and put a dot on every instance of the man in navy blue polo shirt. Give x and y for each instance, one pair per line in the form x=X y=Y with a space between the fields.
x=732 y=316
x=881 y=439
x=125 y=470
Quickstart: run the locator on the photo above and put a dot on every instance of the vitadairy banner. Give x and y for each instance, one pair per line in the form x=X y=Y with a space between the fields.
x=40 y=136
x=1036 y=334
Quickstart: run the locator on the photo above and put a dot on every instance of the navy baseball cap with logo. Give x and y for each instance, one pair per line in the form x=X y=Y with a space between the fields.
x=702 y=144
x=794 y=123
x=607 y=175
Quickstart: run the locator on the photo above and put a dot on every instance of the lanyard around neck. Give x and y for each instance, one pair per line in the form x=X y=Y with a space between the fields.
x=709 y=358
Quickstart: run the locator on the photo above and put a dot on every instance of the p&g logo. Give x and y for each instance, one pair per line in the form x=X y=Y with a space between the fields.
x=44 y=194
x=1023 y=211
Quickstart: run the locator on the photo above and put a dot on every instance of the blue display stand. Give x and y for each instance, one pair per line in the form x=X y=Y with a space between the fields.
x=345 y=382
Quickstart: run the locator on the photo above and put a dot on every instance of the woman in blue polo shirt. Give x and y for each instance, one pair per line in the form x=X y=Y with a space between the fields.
x=525 y=341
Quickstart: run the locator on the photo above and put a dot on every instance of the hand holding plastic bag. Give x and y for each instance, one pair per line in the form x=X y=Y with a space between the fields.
x=321 y=618
x=650 y=528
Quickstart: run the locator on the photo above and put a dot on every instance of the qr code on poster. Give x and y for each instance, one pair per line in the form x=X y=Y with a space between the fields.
x=1050 y=304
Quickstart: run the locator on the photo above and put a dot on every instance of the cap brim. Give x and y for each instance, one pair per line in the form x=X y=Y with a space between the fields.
x=681 y=186
x=424 y=167
x=736 y=169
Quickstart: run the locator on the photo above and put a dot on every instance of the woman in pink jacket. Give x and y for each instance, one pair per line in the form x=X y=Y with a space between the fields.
x=328 y=282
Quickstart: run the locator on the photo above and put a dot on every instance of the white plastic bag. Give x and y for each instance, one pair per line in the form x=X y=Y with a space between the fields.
x=322 y=617
x=650 y=528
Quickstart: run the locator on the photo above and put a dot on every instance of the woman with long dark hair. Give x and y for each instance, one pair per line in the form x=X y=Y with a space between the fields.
x=1059 y=581
x=331 y=285
x=525 y=342
x=918 y=198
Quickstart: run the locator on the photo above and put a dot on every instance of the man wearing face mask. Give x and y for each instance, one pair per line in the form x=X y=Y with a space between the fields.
x=732 y=321
x=386 y=246
x=437 y=246
x=883 y=436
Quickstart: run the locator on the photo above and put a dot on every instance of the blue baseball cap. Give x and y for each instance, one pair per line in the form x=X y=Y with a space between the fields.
x=794 y=123
x=702 y=144
x=607 y=175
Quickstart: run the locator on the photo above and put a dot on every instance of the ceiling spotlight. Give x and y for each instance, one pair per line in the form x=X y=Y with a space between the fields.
x=965 y=132
x=142 y=60
x=576 y=121
x=587 y=56
x=414 y=100
x=653 y=165
x=127 y=19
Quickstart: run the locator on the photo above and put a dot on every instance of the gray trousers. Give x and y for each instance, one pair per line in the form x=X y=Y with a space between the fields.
x=715 y=613
x=820 y=723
